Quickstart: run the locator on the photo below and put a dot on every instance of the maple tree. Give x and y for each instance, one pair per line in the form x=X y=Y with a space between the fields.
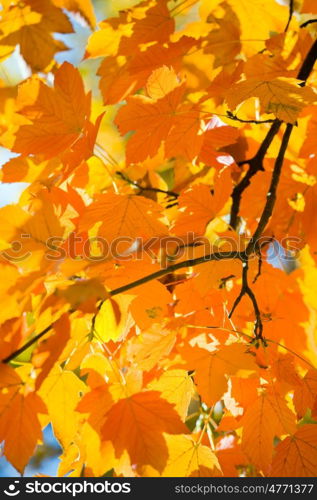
x=158 y=272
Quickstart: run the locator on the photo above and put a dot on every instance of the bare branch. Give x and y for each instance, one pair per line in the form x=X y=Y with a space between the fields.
x=246 y=290
x=290 y=15
x=124 y=177
x=306 y=23
x=234 y=117
x=255 y=165
x=158 y=274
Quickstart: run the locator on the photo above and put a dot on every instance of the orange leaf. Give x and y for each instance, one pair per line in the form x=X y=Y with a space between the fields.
x=212 y=368
x=267 y=417
x=58 y=115
x=20 y=428
x=136 y=424
x=296 y=456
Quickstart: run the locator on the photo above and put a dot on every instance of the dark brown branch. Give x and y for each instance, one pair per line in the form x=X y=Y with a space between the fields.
x=308 y=64
x=234 y=117
x=246 y=290
x=258 y=274
x=290 y=15
x=28 y=344
x=271 y=194
x=255 y=165
x=306 y=23
x=243 y=256
x=158 y=274
x=303 y=74
x=124 y=177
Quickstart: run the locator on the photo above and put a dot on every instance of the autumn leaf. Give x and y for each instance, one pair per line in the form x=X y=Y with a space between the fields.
x=176 y=386
x=296 y=455
x=137 y=425
x=58 y=115
x=151 y=120
x=198 y=205
x=213 y=368
x=284 y=97
x=20 y=427
x=31 y=24
x=305 y=393
x=126 y=217
x=267 y=417
x=158 y=243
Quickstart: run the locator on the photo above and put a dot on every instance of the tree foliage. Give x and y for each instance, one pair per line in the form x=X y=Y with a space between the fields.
x=158 y=272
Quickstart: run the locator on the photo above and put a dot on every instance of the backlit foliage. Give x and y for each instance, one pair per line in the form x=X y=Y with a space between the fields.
x=158 y=274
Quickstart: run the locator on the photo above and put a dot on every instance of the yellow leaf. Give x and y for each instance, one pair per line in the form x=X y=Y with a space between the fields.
x=177 y=387
x=186 y=458
x=61 y=391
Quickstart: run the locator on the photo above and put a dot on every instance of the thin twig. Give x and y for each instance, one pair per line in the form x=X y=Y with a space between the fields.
x=306 y=23
x=158 y=274
x=234 y=117
x=271 y=194
x=290 y=15
x=251 y=338
x=246 y=290
x=124 y=177
x=255 y=165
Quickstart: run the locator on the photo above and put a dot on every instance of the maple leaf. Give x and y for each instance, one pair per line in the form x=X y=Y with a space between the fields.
x=187 y=458
x=137 y=424
x=148 y=348
x=156 y=25
x=83 y=7
x=126 y=216
x=58 y=115
x=31 y=24
x=198 y=206
x=19 y=424
x=309 y=6
x=284 y=97
x=213 y=368
x=267 y=417
x=177 y=387
x=296 y=455
x=120 y=79
x=152 y=121
x=61 y=392
x=305 y=393
x=50 y=349
x=170 y=330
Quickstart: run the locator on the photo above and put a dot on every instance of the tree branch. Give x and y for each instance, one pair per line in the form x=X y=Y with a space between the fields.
x=243 y=256
x=158 y=274
x=255 y=165
x=306 y=23
x=124 y=177
x=290 y=15
x=234 y=117
x=271 y=194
